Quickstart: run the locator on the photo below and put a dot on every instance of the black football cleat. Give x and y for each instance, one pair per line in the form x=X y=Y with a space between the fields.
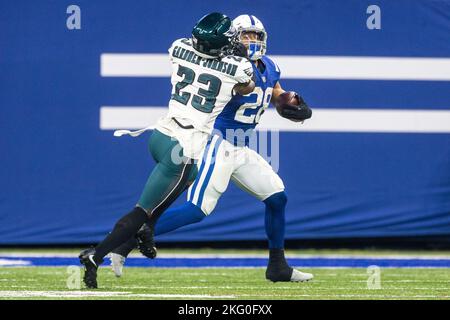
x=278 y=269
x=90 y=268
x=287 y=275
x=278 y=272
x=146 y=242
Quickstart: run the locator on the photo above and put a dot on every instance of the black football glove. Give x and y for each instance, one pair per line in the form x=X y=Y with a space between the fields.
x=240 y=50
x=296 y=113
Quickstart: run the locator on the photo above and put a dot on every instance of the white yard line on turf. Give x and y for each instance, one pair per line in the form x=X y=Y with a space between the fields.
x=192 y=296
x=83 y=294
x=87 y=294
x=334 y=296
x=9 y=262
x=293 y=287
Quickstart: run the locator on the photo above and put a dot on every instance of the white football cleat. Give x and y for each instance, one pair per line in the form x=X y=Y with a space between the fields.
x=298 y=276
x=117 y=262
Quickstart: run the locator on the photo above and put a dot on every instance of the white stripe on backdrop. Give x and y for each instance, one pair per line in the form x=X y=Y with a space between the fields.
x=301 y=67
x=323 y=120
x=297 y=67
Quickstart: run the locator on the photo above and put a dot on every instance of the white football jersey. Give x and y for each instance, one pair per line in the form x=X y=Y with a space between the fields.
x=202 y=87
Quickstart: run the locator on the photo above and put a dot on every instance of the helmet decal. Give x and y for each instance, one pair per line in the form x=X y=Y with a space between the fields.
x=252 y=21
x=231 y=32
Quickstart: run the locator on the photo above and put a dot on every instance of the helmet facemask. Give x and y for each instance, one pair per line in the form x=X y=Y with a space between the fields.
x=255 y=40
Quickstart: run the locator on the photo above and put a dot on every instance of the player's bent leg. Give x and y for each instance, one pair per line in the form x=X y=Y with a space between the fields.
x=172 y=219
x=167 y=181
x=159 y=145
x=275 y=219
x=123 y=230
x=160 y=191
x=214 y=173
x=278 y=268
x=178 y=217
x=125 y=249
x=211 y=180
x=259 y=179
x=206 y=188
x=165 y=184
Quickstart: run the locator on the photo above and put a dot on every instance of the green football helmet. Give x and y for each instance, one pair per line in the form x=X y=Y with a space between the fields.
x=213 y=34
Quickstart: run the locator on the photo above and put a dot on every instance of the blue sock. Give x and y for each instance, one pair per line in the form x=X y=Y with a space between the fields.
x=274 y=219
x=175 y=218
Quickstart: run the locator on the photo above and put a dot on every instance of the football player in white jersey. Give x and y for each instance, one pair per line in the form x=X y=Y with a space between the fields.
x=228 y=157
x=205 y=75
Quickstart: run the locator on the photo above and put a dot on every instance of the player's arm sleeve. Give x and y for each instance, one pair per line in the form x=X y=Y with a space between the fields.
x=243 y=70
x=245 y=82
x=277 y=89
x=275 y=68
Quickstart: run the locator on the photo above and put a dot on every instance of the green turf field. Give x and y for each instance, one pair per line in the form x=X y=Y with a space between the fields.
x=224 y=283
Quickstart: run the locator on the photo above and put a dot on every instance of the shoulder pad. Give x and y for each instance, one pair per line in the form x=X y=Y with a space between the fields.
x=244 y=68
x=180 y=42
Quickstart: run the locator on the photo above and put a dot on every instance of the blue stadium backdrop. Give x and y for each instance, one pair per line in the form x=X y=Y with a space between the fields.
x=373 y=162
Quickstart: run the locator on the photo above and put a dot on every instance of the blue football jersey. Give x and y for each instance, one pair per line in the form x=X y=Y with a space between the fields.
x=244 y=112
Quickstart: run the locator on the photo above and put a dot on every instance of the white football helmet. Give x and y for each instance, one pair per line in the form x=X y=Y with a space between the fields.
x=248 y=23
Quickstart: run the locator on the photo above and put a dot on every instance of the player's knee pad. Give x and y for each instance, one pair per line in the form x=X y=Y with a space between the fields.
x=277 y=200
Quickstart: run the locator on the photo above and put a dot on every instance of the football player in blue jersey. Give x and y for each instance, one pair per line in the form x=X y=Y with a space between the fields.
x=228 y=157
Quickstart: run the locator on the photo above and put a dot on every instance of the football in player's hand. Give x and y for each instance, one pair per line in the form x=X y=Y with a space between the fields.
x=291 y=106
x=286 y=99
